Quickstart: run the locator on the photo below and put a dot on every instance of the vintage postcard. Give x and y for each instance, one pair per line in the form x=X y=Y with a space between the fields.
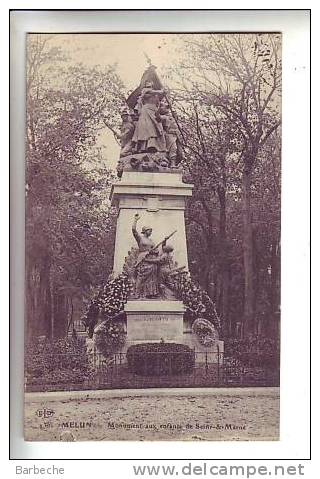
x=153 y=184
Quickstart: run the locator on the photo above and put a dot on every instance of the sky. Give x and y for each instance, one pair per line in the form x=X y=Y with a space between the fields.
x=129 y=52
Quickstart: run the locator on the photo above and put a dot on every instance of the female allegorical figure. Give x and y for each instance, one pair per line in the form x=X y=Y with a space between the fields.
x=149 y=134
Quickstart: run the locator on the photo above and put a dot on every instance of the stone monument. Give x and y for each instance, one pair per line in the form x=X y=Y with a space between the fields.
x=151 y=197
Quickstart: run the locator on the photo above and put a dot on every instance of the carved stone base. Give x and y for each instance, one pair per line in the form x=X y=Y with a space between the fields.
x=146 y=162
x=155 y=321
x=204 y=354
x=159 y=198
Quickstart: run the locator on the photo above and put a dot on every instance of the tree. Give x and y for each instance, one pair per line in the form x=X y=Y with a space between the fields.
x=239 y=75
x=69 y=222
x=207 y=156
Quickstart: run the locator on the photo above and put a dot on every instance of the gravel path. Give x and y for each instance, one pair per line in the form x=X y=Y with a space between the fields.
x=250 y=416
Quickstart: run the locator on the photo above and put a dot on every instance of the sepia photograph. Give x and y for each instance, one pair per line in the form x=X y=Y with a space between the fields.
x=153 y=236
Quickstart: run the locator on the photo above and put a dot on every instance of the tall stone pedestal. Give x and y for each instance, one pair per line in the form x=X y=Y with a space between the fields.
x=159 y=198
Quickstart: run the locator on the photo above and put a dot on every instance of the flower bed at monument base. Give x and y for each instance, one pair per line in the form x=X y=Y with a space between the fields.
x=157 y=359
x=65 y=365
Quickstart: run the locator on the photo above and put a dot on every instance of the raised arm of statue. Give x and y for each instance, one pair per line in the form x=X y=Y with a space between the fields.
x=134 y=228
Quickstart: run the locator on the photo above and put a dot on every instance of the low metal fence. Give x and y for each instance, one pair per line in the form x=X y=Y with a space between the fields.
x=208 y=369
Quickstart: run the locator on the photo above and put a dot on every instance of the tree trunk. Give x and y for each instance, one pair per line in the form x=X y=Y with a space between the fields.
x=248 y=313
x=206 y=273
x=224 y=266
x=61 y=307
x=37 y=298
x=273 y=329
x=258 y=322
x=210 y=246
x=70 y=325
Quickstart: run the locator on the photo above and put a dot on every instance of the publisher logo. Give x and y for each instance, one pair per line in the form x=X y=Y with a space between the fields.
x=45 y=413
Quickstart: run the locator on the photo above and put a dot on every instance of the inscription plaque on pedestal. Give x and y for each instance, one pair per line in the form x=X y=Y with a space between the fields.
x=154 y=326
x=154 y=320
